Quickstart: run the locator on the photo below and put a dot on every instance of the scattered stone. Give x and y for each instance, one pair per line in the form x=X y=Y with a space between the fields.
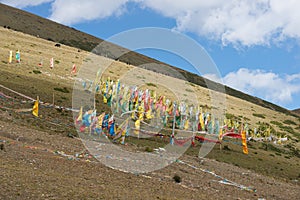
x=2 y=148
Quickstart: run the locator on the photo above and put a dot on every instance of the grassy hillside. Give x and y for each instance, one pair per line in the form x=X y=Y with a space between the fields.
x=31 y=24
x=31 y=170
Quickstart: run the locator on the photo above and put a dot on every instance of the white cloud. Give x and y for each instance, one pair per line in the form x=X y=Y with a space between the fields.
x=240 y=23
x=234 y=22
x=266 y=85
x=75 y=11
x=24 y=3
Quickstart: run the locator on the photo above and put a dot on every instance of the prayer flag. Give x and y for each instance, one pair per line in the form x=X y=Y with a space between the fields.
x=73 y=69
x=35 y=109
x=79 y=118
x=10 y=57
x=18 y=56
x=51 y=63
x=244 y=142
x=137 y=126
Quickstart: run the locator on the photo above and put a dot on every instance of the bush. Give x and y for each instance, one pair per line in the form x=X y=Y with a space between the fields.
x=289 y=122
x=287 y=129
x=37 y=72
x=64 y=90
x=148 y=149
x=151 y=84
x=177 y=178
x=276 y=123
x=259 y=115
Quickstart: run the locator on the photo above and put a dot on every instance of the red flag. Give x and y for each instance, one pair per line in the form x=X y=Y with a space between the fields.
x=73 y=69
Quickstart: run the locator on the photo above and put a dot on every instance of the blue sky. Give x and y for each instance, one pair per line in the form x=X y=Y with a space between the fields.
x=255 y=44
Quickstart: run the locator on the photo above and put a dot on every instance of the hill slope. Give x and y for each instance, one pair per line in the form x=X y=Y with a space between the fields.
x=34 y=25
x=33 y=160
x=297 y=111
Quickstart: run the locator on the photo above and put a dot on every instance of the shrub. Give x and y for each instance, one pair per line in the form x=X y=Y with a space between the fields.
x=289 y=122
x=63 y=90
x=276 y=123
x=287 y=129
x=37 y=72
x=148 y=149
x=259 y=115
x=189 y=90
x=151 y=84
x=177 y=178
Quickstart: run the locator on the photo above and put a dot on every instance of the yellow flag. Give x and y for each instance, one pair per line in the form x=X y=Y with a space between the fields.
x=140 y=112
x=186 y=125
x=100 y=119
x=35 y=109
x=104 y=99
x=79 y=118
x=137 y=126
x=201 y=121
x=220 y=133
x=149 y=114
x=10 y=57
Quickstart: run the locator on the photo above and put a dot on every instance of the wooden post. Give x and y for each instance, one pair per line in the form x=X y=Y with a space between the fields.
x=53 y=99
x=173 y=129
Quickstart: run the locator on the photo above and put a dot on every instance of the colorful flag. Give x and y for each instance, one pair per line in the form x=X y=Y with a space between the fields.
x=186 y=125
x=35 y=109
x=100 y=119
x=79 y=118
x=51 y=63
x=244 y=142
x=10 y=57
x=73 y=69
x=18 y=56
x=104 y=99
x=137 y=127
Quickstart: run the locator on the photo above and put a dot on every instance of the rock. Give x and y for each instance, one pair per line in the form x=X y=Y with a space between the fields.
x=2 y=148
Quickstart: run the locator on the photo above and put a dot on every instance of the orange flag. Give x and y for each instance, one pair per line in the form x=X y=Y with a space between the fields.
x=244 y=142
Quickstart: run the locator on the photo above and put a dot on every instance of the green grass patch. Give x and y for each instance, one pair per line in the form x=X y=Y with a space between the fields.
x=287 y=129
x=189 y=90
x=232 y=116
x=63 y=90
x=289 y=122
x=151 y=85
x=276 y=123
x=259 y=115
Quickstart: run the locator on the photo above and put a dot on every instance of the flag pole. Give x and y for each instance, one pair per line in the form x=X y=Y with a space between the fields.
x=173 y=129
x=53 y=99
